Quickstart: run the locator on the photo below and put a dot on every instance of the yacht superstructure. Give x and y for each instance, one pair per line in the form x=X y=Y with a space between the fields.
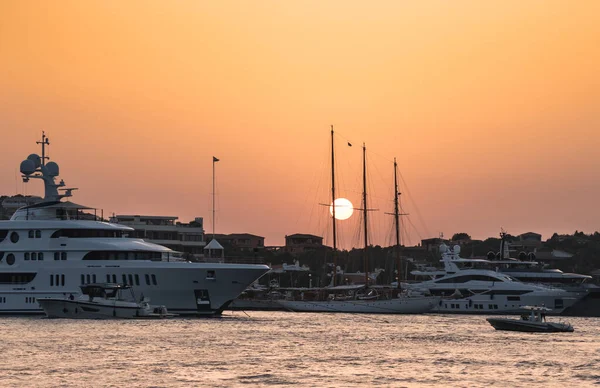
x=467 y=287
x=52 y=248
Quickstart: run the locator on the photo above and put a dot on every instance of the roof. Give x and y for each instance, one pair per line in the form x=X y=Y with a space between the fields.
x=236 y=235
x=146 y=217
x=302 y=235
x=214 y=244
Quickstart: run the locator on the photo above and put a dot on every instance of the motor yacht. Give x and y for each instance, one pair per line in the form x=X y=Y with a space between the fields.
x=51 y=248
x=468 y=287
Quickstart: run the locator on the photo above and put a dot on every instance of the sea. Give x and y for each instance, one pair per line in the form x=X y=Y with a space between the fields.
x=263 y=349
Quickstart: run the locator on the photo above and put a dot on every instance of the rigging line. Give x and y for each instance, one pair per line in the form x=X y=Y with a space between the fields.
x=317 y=194
x=411 y=199
x=315 y=175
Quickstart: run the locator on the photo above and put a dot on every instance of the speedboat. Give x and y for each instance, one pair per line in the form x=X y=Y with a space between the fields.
x=532 y=322
x=102 y=301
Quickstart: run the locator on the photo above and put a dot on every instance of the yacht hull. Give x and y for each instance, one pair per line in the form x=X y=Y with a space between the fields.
x=77 y=309
x=500 y=304
x=184 y=288
x=416 y=305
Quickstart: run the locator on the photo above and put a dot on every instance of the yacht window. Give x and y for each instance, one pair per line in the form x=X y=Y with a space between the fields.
x=31 y=234
x=14 y=237
x=26 y=256
x=87 y=233
x=94 y=278
x=137 y=280
x=33 y=256
x=10 y=259
x=130 y=279
x=124 y=279
x=1 y=255
x=114 y=278
x=63 y=255
x=56 y=256
x=3 y=234
x=513 y=298
x=82 y=279
x=51 y=280
x=147 y=279
x=62 y=279
x=120 y=255
x=38 y=234
x=154 y=279
x=210 y=274
x=107 y=278
x=56 y=280
x=87 y=278
x=41 y=256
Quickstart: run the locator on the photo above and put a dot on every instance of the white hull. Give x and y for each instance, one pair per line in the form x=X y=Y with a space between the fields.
x=78 y=309
x=417 y=305
x=499 y=304
x=184 y=288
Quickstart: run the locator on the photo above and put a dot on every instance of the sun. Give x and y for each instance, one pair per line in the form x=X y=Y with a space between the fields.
x=343 y=209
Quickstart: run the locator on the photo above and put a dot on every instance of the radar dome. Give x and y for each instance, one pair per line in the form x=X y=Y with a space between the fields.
x=27 y=167
x=491 y=255
x=35 y=158
x=522 y=256
x=531 y=256
x=457 y=249
x=52 y=168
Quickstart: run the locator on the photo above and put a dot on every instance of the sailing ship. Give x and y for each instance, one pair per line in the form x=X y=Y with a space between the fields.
x=358 y=298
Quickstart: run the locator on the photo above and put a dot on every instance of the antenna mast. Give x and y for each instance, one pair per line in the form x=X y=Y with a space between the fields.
x=45 y=141
x=333 y=210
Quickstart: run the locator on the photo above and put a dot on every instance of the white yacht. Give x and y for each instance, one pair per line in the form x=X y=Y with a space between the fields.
x=51 y=248
x=467 y=287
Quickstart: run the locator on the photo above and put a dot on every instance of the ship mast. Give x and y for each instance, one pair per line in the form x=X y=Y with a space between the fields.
x=333 y=210
x=397 y=220
x=365 y=211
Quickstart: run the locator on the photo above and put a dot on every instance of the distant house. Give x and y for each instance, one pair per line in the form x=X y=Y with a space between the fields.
x=433 y=244
x=240 y=242
x=165 y=230
x=299 y=242
x=527 y=242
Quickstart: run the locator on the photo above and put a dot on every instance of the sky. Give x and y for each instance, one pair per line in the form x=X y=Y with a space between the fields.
x=491 y=109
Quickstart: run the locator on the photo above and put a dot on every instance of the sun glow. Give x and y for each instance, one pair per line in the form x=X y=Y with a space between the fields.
x=343 y=209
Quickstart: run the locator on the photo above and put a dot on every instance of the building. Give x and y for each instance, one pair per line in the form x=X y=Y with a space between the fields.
x=165 y=230
x=240 y=242
x=10 y=204
x=527 y=242
x=433 y=244
x=299 y=243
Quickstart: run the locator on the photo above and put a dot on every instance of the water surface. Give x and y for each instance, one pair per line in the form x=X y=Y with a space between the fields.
x=300 y=349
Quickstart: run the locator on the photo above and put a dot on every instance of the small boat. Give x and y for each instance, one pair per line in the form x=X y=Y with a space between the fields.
x=102 y=301
x=533 y=322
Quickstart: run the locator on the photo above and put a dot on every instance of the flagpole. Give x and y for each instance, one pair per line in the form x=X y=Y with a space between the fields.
x=213 y=199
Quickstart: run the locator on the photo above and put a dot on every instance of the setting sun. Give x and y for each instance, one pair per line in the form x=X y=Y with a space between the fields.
x=343 y=209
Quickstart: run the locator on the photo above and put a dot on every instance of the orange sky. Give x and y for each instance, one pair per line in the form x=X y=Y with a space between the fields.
x=492 y=109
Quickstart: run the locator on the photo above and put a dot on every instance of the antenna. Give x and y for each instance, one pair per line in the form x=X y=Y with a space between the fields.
x=45 y=141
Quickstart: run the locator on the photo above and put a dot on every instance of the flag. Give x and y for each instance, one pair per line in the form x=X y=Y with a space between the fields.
x=215 y=159
x=349 y=144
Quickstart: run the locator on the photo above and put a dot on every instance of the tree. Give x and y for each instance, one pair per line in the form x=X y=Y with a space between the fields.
x=460 y=236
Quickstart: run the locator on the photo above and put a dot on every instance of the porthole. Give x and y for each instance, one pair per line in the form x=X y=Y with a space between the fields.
x=10 y=259
x=14 y=237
